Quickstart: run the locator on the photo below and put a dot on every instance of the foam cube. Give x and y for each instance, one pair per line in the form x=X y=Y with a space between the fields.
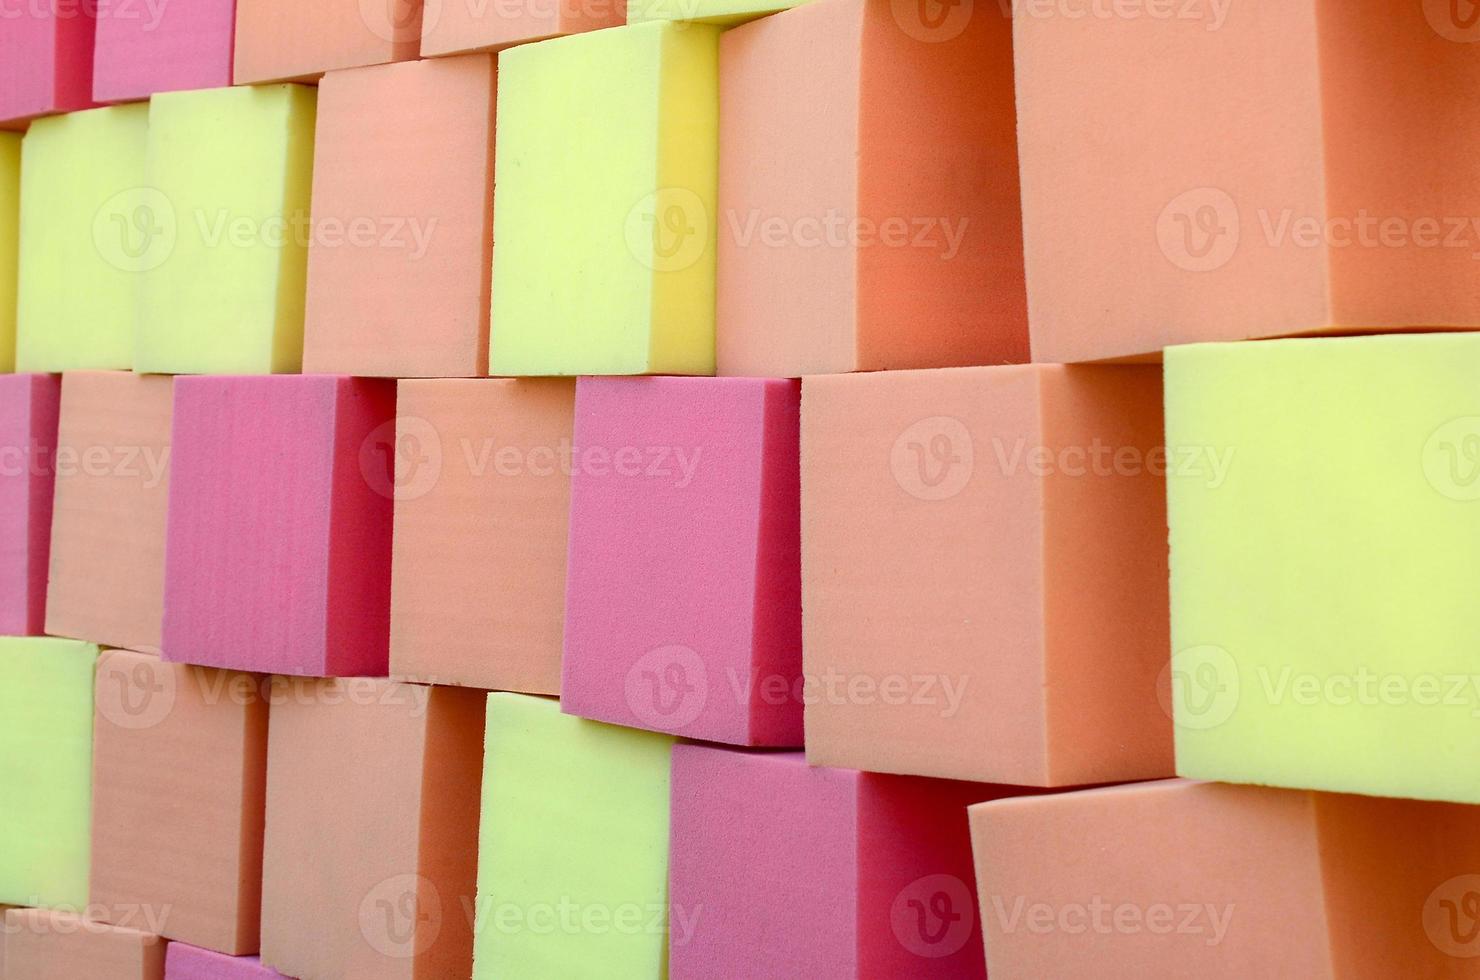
x=179 y=757
x=683 y=602
x=1326 y=196
x=28 y=439
x=453 y=28
x=112 y=490
x=1160 y=879
x=277 y=552
x=786 y=870
x=725 y=13
x=45 y=944
x=398 y=273
x=984 y=583
x=572 y=848
x=902 y=246
x=10 y=216
x=46 y=53
x=142 y=49
x=1355 y=468
x=483 y=472
x=86 y=229
x=46 y=698
x=605 y=214
x=370 y=858
x=231 y=169
x=185 y=962
x=286 y=40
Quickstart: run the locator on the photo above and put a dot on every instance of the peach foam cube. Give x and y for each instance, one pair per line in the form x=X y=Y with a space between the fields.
x=788 y=870
x=277 y=547
x=1178 y=878
x=112 y=492
x=984 y=573
x=179 y=769
x=482 y=511
x=874 y=223
x=370 y=859
x=399 y=268
x=46 y=58
x=453 y=28
x=142 y=48
x=288 y=40
x=28 y=438
x=683 y=608
x=49 y=944
x=1298 y=168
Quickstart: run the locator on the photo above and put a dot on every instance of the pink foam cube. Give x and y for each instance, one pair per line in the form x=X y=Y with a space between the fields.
x=185 y=962
x=779 y=869
x=29 y=404
x=46 y=57
x=277 y=553
x=143 y=48
x=683 y=604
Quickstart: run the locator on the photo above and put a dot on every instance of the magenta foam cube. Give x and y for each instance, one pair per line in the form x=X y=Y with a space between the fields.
x=780 y=869
x=184 y=962
x=683 y=590
x=147 y=47
x=46 y=58
x=29 y=404
x=277 y=552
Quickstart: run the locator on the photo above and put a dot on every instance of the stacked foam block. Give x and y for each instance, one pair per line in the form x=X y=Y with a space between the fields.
x=683 y=488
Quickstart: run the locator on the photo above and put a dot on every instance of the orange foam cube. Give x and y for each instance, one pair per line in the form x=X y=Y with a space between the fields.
x=984 y=574
x=401 y=258
x=1179 y=878
x=1223 y=171
x=483 y=472
x=868 y=207
x=290 y=40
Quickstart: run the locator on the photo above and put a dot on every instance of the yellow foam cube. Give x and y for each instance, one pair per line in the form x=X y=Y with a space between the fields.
x=232 y=167
x=1324 y=504
x=574 y=824
x=46 y=727
x=726 y=13
x=10 y=209
x=604 y=203
x=84 y=228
